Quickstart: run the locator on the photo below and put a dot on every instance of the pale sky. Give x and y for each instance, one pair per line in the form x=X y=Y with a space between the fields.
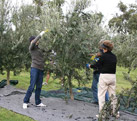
x=107 y=7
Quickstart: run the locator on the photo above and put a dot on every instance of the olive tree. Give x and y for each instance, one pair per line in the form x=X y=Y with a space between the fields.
x=72 y=36
x=16 y=27
x=124 y=35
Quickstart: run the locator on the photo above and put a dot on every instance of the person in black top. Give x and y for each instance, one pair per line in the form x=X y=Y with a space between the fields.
x=96 y=74
x=107 y=79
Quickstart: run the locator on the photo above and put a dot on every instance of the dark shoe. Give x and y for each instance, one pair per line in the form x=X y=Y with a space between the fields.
x=95 y=103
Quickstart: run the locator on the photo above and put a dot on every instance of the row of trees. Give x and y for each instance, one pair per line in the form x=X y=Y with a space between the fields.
x=73 y=36
x=16 y=26
x=125 y=39
x=125 y=35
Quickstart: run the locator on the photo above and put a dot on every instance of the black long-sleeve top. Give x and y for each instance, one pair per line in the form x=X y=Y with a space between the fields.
x=107 y=62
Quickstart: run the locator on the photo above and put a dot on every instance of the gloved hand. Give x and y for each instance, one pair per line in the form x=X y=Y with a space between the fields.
x=46 y=30
x=88 y=65
x=96 y=59
x=92 y=57
x=42 y=33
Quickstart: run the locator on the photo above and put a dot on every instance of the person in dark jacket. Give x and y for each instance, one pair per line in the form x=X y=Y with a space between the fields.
x=95 y=81
x=107 y=79
x=36 y=73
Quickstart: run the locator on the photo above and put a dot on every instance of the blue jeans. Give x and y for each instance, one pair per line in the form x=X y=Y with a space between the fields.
x=95 y=87
x=36 y=76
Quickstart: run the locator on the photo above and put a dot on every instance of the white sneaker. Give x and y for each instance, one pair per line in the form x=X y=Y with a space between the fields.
x=118 y=115
x=44 y=83
x=25 y=105
x=40 y=105
x=98 y=116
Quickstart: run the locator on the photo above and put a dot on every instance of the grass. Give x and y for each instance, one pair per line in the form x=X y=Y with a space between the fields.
x=6 y=115
x=121 y=82
x=24 y=80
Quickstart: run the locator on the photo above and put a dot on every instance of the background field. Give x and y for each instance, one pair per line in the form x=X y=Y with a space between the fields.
x=24 y=79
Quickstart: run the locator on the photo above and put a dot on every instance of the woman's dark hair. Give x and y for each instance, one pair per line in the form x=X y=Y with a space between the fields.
x=32 y=38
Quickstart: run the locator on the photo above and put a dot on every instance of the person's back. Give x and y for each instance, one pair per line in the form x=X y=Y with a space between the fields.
x=37 y=57
x=108 y=63
x=107 y=79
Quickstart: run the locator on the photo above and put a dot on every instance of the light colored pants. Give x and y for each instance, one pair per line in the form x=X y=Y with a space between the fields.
x=107 y=82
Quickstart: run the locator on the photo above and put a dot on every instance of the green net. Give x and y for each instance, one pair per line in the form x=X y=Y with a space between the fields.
x=82 y=94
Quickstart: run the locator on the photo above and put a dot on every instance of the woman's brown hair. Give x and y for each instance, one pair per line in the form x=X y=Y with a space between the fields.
x=108 y=44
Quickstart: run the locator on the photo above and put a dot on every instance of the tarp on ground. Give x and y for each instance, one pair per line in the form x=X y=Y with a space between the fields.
x=81 y=94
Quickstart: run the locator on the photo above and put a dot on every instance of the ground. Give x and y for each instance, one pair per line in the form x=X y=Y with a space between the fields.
x=57 y=109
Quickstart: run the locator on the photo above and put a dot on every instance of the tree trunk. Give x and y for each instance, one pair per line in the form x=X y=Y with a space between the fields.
x=8 y=77
x=65 y=89
x=79 y=83
x=70 y=89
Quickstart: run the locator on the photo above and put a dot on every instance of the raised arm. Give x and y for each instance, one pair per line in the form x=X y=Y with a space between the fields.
x=32 y=44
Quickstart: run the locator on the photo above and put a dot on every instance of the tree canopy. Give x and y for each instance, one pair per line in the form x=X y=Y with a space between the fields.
x=72 y=36
x=126 y=22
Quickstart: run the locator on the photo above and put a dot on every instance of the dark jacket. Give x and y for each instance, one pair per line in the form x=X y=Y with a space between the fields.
x=36 y=55
x=107 y=62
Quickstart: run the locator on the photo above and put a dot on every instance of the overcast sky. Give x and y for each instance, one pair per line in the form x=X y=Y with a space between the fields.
x=107 y=7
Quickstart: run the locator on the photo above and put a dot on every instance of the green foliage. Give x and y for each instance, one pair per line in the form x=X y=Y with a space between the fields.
x=122 y=7
x=133 y=23
x=106 y=112
x=124 y=37
x=128 y=97
x=125 y=49
x=72 y=37
x=14 y=49
x=38 y=2
x=126 y=22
